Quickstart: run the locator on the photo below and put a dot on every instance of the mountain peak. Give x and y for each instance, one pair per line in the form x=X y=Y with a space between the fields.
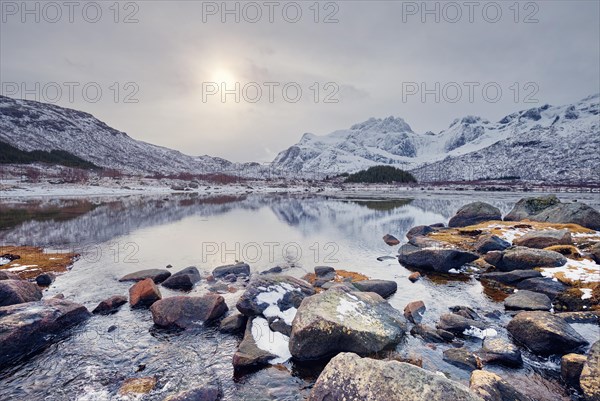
x=389 y=124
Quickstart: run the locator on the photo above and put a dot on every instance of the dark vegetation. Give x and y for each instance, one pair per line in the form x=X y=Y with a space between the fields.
x=382 y=175
x=11 y=155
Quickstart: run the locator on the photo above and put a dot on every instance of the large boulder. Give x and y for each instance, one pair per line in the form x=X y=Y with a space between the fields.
x=385 y=288
x=495 y=350
x=594 y=252
x=157 y=275
x=260 y=346
x=590 y=385
x=550 y=209
x=512 y=277
x=571 y=366
x=234 y=323
x=18 y=291
x=544 y=239
x=235 y=269
x=474 y=213
x=349 y=377
x=183 y=280
x=491 y=387
x=419 y=231
x=434 y=259
x=186 y=312
x=110 y=305
x=527 y=300
x=545 y=333
x=542 y=285
x=462 y=358
x=27 y=327
x=523 y=258
x=529 y=207
x=488 y=243
x=144 y=293
x=339 y=321
x=457 y=324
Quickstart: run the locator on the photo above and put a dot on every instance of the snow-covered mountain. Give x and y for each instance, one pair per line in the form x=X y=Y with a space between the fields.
x=546 y=143
x=30 y=125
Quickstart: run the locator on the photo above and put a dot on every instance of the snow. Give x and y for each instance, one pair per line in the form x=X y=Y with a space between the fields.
x=19 y=268
x=4 y=261
x=475 y=332
x=587 y=293
x=270 y=341
x=271 y=296
x=584 y=270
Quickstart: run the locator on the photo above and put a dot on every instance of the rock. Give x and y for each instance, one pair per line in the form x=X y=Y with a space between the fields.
x=390 y=240
x=205 y=393
x=237 y=269
x=272 y=270
x=463 y=358
x=45 y=279
x=157 y=275
x=4 y=275
x=413 y=312
x=571 y=366
x=274 y=296
x=27 y=327
x=522 y=258
x=249 y=355
x=325 y=271
x=588 y=381
x=338 y=321
x=137 y=385
x=580 y=317
x=491 y=387
x=571 y=300
x=594 y=252
x=18 y=291
x=419 y=231
x=543 y=285
x=234 y=323
x=383 y=258
x=527 y=300
x=545 y=334
x=465 y=311
x=230 y=278
x=437 y=225
x=385 y=288
x=414 y=277
x=430 y=334
x=144 y=293
x=183 y=280
x=110 y=305
x=512 y=277
x=281 y=326
x=489 y=243
x=550 y=209
x=457 y=324
x=498 y=351
x=544 y=239
x=474 y=213
x=435 y=259
x=187 y=312
x=528 y=207
x=349 y=377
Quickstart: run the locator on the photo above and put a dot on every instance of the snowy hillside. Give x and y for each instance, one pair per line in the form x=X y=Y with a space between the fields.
x=546 y=143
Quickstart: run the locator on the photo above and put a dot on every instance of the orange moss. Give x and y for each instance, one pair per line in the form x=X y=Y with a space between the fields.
x=37 y=260
x=340 y=277
x=567 y=250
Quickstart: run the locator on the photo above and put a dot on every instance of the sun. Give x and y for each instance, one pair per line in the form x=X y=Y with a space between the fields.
x=222 y=75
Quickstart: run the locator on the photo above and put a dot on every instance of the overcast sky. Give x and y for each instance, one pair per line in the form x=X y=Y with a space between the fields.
x=539 y=52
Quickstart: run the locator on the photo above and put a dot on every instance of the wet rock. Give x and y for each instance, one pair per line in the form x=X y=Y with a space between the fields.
x=338 y=321
x=545 y=333
x=414 y=277
x=234 y=323
x=204 y=393
x=385 y=288
x=430 y=334
x=495 y=350
x=349 y=377
x=512 y=277
x=571 y=300
x=4 y=275
x=137 y=385
x=18 y=291
x=249 y=355
x=110 y=305
x=45 y=279
x=236 y=269
x=543 y=285
x=419 y=231
x=528 y=300
x=457 y=324
x=414 y=311
x=383 y=258
x=594 y=252
x=390 y=240
x=435 y=259
x=187 y=312
x=522 y=258
x=489 y=243
x=544 y=239
x=325 y=271
x=529 y=207
x=183 y=280
x=462 y=358
x=144 y=294
x=157 y=275
x=27 y=327
x=272 y=270
x=465 y=311
x=588 y=381
x=491 y=387
x=230 y=278
x=279 y=325
x=571 y=366
x=550 y=209
x=474 y=213
x=580 y=317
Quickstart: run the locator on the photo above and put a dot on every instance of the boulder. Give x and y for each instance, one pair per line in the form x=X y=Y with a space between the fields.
x=349 y=377
x=385 y=288
x=204 y=393
x=457 y=324
x=339 y=321
x=272 y=270
x=491 y=387
x=419 y=231
x=594 y=252
x=18 y=291
x=4 y=275
x=157 y=275
x=495 y=350
x=144 y=293
x=528 y=300
x=257 y=334
x=544 y=333
x=464 y=311
x=110 y=305
x=390 y=240
x=237 y=269
x=413 y=312
x=550 y=209
x=522 y=258
x=588 y=381
x=234 y=323
x=324 y=271
x=571 y=366
x=45 y=279
x=542 y=285
x=528 y=207
x=512 y=277
x=187 y=312
x=183 y=280
x=544 y=239
x=27 y=327
x=462 y=358
x=487 y=243
x=430 y=334
x=434 y=259
x=474 y=213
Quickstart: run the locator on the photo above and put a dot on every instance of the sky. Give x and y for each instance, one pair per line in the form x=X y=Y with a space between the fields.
x=245 y=80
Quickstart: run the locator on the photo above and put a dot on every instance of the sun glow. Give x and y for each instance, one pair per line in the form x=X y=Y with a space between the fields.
x=222 y=75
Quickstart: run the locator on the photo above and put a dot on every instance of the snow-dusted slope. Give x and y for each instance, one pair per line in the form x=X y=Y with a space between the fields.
x=546 y=143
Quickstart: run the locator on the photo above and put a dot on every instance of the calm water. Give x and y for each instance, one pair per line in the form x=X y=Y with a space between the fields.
x=116 y=236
